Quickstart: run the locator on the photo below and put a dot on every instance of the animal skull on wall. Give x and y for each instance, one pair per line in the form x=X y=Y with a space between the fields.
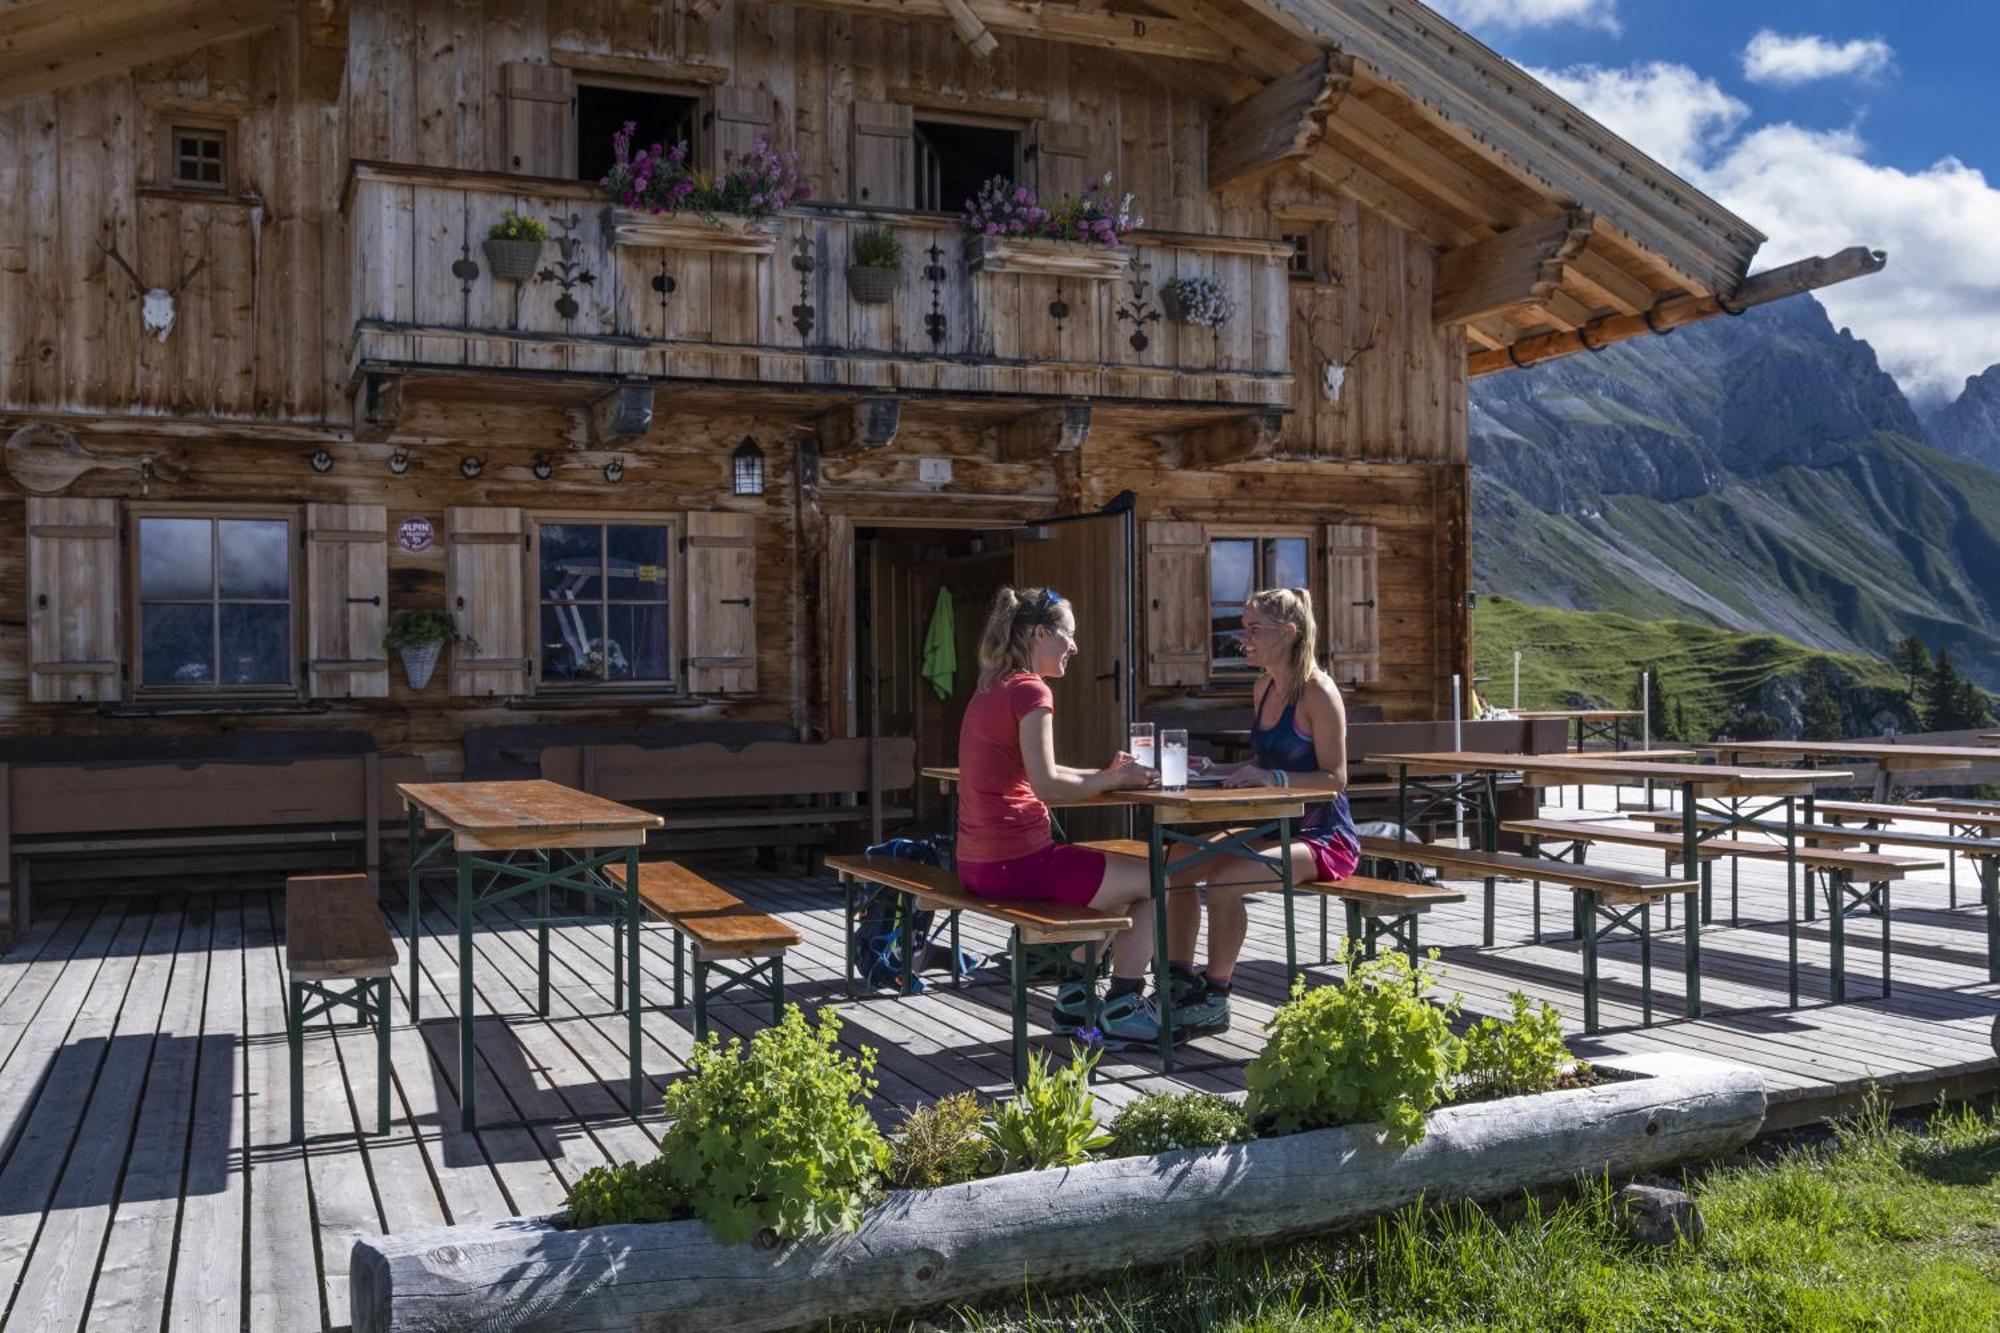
x=156 y=304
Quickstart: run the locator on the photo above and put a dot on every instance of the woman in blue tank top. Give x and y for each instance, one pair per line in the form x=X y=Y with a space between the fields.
x=1298 y=738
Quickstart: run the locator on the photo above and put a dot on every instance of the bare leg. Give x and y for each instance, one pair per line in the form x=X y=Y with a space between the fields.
x=1228 y=918
x=1128 y=887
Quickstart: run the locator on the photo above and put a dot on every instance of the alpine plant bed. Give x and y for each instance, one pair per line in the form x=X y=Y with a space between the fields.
x=776 y=1203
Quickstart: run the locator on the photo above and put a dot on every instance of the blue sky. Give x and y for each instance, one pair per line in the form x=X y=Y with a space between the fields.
x=1825 y=124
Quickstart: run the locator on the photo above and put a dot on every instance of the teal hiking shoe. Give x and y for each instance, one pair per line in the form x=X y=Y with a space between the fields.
x=1129 y=1020
x=1197 y=1008
x=1071 y=1010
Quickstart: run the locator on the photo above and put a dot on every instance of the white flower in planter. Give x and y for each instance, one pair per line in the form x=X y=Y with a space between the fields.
x=1201 y=301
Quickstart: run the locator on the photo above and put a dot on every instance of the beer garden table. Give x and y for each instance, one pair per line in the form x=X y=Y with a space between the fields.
x=1889 y=758
x=1253 y=813
x=481 y=825
x=1467 y=779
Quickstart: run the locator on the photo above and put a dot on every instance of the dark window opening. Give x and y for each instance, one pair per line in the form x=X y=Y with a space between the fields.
x=1237 y=567
x=200 y=158
x=662 y=118
x=954 y=160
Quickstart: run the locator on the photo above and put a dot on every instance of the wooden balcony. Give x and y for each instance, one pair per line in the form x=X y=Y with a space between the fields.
x=683 y=299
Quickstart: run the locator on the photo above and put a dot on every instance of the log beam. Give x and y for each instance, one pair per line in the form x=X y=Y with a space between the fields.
x=970 y=30
x=51 y=44
x=1230 y=440
x=1514 y=270
x=1759 y=289
x=378 y=406
x=1134 y=34
x=1277 y=125
x=868 y=424
x=623 y=415
x=1041 y=436
x=322 y=50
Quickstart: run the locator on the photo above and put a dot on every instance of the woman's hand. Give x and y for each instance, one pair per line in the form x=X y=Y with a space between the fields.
x=1250 y=776
x=1200 y=763
x=1122 y=772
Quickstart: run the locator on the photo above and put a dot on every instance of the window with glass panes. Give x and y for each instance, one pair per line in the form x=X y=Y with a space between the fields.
x=1237 y=567
x=604 y=608
x=200 y=158
x=215 y=602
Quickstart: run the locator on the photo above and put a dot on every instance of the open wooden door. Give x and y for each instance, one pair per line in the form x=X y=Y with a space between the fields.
x=1089 y=561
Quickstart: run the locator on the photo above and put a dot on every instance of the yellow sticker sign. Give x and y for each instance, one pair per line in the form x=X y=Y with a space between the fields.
x=652 y=574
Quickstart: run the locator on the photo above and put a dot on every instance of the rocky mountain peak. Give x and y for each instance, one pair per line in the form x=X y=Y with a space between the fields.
x=1969 y=425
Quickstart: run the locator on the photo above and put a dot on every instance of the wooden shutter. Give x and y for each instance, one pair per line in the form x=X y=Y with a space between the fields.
x=1177 y=609
x=539 y=138
x=486 y=593
x=1353 y=621
x=721 y=584
x=73 y=603
x=884 y=141
x=741 y=117
x=1062 y=152
x=347 y=596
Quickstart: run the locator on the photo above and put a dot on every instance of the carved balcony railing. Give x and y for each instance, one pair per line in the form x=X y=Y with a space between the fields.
x=679 y=298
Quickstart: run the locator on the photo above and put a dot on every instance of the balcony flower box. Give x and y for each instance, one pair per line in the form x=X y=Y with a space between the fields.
x=1039 y=254
x=728 y=232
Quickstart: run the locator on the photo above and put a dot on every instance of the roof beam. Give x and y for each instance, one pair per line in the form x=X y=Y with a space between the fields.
x=1278 y=124
x=1511 y=271
x=860 y=427
x=1136 y=34
x=1037 y=437
x=1759 y=289
x=51 y=44
x=1240 y=439
x=1335 y=169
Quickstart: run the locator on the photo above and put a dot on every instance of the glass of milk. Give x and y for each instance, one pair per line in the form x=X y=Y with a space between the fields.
x=1173 y=760
x=1142 y=744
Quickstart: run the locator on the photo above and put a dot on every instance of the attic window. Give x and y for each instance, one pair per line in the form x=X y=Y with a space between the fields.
x=662 y=118
x=199 y=158
x=1299 y=266
x=954 y=158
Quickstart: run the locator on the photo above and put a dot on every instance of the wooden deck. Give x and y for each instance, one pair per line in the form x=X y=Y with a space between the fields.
x=146 y=1181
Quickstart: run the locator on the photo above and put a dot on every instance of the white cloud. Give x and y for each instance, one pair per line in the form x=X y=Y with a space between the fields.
x=1933 y=316
x=1514 y=15
x=1669 y=110
x=1790 y=61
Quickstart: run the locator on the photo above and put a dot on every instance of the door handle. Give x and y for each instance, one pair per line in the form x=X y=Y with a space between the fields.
x=1114 y=676
x=735 y=601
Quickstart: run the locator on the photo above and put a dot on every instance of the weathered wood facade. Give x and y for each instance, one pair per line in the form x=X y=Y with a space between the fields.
x=309 y=183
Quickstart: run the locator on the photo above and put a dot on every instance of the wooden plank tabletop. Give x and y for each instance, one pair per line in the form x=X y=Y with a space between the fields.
x=1195 y=805
x=1987 y=818
x=1572 y=714
x=1892 y=756
x=1566 y=769
x=529 y=813
x=1636 y=756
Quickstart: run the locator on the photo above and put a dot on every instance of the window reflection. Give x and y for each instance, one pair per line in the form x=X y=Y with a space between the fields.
x=604 y=604
x=214 y=602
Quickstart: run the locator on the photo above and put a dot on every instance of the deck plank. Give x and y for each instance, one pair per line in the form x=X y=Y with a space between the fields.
x=206 y=1287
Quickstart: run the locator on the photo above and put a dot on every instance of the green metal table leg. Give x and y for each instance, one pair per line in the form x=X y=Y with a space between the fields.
x=1646 y=964
x=467 y=1114
x=636 y=1091
x=542 y=936
x=1162 y=972
x=777 y=990
x=1090 y=991
x=680 y=968
x=1020 y=1010
x=1885 y=887
x=1355 y=931
x=1836 y=925
x=381 y=1054
x=700 y=996
x=1989 y=891
x=618 y=961
x=1690 y=866
x=1586 y=901
x=1792 y=902
x=957 y=960
x=416 y=931
x=295 y=1039
x=846 y=940
x=906 y=929
x=1322 y=930
x=1285 y=883
x=1489 y=819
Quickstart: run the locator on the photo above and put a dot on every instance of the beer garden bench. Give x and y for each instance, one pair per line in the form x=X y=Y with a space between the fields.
x=338 y=955
x=730 y=939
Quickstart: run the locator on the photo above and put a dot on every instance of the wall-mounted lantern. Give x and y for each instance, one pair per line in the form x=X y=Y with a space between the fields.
x=748 y=461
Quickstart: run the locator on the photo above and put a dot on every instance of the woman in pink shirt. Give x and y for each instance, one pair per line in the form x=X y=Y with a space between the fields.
x=1007 y=774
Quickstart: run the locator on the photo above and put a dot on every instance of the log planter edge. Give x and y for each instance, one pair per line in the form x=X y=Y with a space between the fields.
x=922 y=1249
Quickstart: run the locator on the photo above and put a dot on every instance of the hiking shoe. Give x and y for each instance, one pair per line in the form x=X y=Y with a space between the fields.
x=1072 y=1008
x=1129 y=1020
x=1197 y=1008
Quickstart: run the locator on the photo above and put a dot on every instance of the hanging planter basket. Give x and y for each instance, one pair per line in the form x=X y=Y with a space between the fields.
x=513 y=260
x=1174 y=302
x=420 y=660
x=870 y=285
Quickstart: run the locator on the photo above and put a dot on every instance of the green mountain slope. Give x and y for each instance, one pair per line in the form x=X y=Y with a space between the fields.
x=1708 y=681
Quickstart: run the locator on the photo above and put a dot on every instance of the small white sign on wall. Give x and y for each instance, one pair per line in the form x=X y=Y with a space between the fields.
x=934 y=471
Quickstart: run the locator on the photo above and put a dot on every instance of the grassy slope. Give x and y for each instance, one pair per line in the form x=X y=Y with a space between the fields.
x=1887 y=1228
x=1570 y=657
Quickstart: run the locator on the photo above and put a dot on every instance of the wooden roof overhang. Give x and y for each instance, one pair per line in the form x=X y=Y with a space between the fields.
x=50 y=44
x=1555 y=235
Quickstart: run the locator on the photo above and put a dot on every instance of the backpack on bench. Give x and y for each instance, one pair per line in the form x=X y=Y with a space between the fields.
x=877 y=946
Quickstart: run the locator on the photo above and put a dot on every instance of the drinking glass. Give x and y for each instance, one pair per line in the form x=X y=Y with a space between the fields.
x=1173 y=760
x=1142 y=743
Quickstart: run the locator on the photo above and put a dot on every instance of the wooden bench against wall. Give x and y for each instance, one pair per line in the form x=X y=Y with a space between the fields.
x=221 y=807
x=714 y=795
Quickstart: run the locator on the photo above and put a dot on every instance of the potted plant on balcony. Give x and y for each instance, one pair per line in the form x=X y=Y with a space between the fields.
x=418 y=637
x=1201 y=301
x=659 y=199
x=876 y=270
x=1072 y=235
x=513 y=246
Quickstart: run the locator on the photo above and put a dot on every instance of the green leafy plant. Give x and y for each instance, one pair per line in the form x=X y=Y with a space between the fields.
x=513 y=227
x=775 y=1134
x=1050 y=1122
x=627 y=1192
x=414 y=629
x=1373 y=1049
x=877 y=247
x=940 y=1144
x=1517 y=1056
x=1167 y=1121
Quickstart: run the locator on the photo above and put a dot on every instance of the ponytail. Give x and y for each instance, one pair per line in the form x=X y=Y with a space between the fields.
x=1291 y=606
x=1007 y=643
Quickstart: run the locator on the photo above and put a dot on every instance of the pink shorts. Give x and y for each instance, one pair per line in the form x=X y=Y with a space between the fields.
x=1059 y=873
x=1334 y=859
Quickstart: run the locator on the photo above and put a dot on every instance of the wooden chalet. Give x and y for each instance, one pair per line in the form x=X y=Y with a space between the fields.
x=261 y=388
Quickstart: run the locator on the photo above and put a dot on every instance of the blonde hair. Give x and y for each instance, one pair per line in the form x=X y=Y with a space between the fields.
x=1291 y=606
x=1007 y=644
